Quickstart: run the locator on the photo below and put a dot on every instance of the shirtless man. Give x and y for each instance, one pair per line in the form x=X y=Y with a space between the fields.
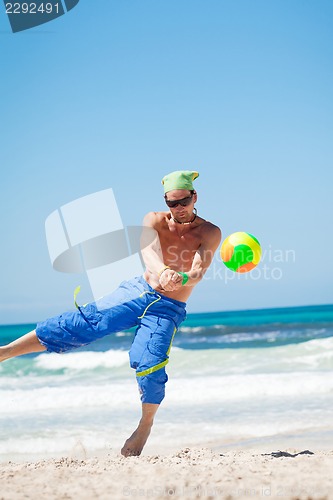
x=176 y=261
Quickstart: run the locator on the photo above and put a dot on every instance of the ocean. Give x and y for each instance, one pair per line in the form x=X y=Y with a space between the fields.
x=235 y=378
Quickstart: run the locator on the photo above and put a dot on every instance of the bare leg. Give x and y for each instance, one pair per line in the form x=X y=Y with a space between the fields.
x=23 y=345
x=134 y=444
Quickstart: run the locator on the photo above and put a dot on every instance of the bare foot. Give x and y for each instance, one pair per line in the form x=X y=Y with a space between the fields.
x=134 y=444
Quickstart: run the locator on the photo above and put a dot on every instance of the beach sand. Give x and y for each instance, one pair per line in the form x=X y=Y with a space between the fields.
x=186 y=474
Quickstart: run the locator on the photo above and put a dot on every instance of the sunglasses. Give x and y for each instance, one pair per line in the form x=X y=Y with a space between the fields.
x=183 y=202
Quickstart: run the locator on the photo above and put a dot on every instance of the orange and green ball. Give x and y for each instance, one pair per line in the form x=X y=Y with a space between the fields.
x=241 y=252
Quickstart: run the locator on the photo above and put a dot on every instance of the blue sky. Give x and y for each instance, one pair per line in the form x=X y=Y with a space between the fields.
x=119 y=93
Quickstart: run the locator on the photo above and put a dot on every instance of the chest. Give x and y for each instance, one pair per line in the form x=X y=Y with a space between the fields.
x=180 y=245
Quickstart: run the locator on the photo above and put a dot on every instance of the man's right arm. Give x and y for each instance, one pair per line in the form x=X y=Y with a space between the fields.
x=152 y=254
x=150 y=244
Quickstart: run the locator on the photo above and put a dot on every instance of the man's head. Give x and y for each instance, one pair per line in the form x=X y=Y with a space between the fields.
x=180 y=179
x=179 y=194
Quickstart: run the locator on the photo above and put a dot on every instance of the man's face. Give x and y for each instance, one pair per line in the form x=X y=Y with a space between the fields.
x=181 y=211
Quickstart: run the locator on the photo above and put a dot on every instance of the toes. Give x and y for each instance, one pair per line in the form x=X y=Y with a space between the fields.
x=130 y=453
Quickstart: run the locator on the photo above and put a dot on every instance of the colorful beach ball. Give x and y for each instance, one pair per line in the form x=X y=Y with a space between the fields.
x=241 y=252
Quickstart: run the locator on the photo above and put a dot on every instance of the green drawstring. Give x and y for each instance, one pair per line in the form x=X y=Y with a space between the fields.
x=166 y=361
x=148 y=306
x=76 y=291
x=159 y=365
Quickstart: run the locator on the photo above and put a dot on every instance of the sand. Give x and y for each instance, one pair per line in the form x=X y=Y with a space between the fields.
x=185 y=474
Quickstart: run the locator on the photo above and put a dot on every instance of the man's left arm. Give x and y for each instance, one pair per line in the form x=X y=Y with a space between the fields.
x=204 y=256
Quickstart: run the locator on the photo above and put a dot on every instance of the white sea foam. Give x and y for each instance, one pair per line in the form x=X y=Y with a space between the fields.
x=192 y=329
x=65 y=396
x=78 y=361
x=212 y=394
x=311 y=355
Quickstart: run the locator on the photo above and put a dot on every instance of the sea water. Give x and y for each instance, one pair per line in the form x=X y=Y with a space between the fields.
x=234 y=378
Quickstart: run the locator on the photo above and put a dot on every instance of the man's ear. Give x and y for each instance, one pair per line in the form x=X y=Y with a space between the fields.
x=195 y=196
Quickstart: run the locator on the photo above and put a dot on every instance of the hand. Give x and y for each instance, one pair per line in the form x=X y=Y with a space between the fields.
x=170 y=280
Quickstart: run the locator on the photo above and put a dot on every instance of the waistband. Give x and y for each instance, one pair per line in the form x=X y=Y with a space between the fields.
x=151 y=289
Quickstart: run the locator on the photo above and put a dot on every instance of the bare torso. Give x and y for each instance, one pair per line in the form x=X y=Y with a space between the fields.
x=179 y=244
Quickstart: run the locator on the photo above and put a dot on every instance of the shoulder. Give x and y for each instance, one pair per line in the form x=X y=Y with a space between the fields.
x=211 y=234
x=210 y=229
x=154 y=219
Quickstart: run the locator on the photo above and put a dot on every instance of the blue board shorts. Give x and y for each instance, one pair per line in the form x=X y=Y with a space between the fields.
x=134 y=303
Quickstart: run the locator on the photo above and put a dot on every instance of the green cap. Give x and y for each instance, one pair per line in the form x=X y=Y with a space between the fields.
x=180 y=179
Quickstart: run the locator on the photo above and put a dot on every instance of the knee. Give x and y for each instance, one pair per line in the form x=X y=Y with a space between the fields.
x=147 y=355
x=149 y=362
x=152 y=386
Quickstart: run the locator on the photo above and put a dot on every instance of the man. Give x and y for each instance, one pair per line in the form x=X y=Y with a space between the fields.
x=175 y=262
